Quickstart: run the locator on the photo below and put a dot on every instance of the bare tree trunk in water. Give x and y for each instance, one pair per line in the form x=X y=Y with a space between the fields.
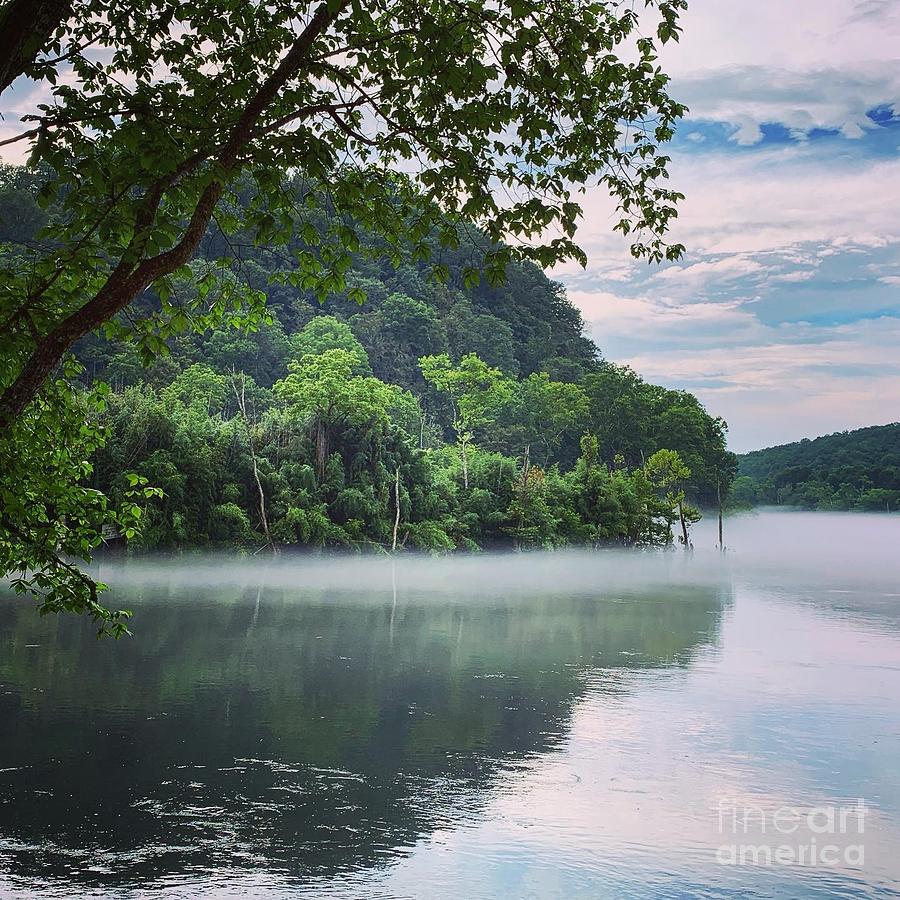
x=242 y=406
x=719 y=502
x=397 y=508
x=684 y=531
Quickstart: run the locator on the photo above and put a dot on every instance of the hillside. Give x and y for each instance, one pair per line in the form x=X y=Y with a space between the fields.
x=846 y=470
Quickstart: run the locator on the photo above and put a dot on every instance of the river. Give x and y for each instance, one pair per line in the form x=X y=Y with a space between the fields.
x=546 y=725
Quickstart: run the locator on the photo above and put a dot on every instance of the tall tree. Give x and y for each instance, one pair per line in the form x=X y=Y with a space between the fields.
x=477 y=393
x=667 y=474
x=323 y=391
x=547 y=410
x=239 y=387
x=328 y=333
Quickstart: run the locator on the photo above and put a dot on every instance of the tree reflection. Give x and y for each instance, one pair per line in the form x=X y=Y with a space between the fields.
x=303 y=733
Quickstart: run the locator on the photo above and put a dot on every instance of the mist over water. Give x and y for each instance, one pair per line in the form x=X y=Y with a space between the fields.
x=558 y=724
x=844 y=546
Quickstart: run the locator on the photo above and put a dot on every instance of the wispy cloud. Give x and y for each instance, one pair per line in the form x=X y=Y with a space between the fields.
x=745 y=98
x=792 y=381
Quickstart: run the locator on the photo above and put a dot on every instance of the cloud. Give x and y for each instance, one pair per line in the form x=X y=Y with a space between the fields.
x=725 y=269
x=802 y=35
x=748 y=97
x=877 y=12
x=794 y=277
x=775 y=200
x=817 y=64
x=623 y=325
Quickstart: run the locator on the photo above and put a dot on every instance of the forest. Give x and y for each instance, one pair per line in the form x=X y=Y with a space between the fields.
x=402 y=411
x=858 y=470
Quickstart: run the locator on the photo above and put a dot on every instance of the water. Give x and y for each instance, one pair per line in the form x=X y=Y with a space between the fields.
x=548 y=726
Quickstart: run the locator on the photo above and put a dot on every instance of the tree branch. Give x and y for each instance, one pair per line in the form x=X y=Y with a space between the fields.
x=126 y=281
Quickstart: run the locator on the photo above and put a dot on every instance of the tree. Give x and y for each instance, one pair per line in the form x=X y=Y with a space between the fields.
x=323 y=391
x=531 y=516
x=547 y=410
x=680 y=422
x=328 y=333
x=239 y=387
x=667 y=474
x=396 y=334
x=49 y=513
x=605 y=502
x=620 y=412
x=262 y=353
x=199 y=385
x=477 y=392
x=486 y=335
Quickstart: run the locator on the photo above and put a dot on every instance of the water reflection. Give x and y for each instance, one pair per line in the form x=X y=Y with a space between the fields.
x=299 y=733
x=546 y=726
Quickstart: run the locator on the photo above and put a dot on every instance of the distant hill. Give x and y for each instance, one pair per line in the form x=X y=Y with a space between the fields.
x=846 y=470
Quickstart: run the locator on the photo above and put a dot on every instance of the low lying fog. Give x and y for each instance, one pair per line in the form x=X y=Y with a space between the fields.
x=841 y=550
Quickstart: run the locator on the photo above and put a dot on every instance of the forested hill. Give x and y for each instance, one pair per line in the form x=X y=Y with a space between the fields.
x=847 y=470
x=266 y=415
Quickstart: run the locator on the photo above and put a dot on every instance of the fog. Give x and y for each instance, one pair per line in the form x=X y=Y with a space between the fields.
x=838 y=550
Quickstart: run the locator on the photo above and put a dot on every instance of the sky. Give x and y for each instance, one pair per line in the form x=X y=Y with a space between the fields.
x=784 y=314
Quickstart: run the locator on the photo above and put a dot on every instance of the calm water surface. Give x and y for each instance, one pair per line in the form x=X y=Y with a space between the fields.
x=547 y=726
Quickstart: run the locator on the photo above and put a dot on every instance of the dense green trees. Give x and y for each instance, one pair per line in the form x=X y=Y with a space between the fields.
x=377 y=425
x=477 y=393
x=331 y=456
x=847 y=470
x=341 y=396
x=341 y=424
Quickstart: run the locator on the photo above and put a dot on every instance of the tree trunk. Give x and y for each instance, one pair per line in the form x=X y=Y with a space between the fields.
x=684 y=530
x=465 y=464
x=526 y=462
x=321 y=442
x=26 y=27
x=719 y=503
x=242 y=406
x=396 y=509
